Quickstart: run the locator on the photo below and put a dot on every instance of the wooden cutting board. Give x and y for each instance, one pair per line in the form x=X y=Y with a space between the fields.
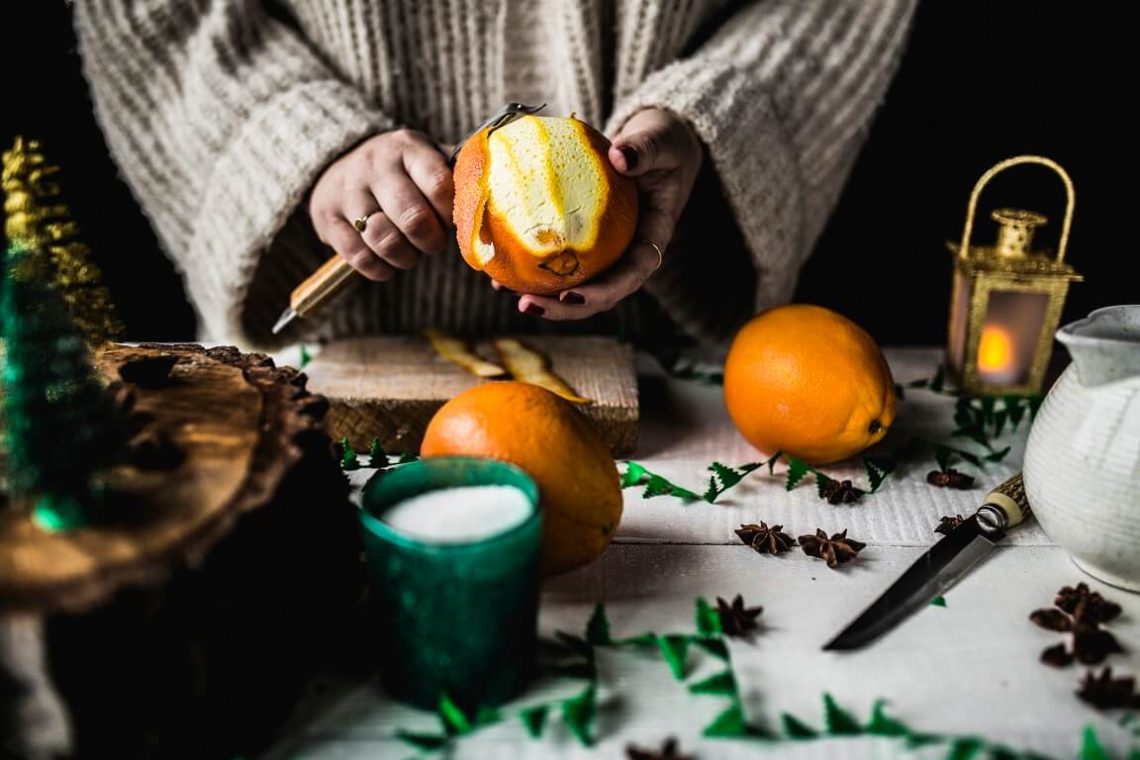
x=388 y=387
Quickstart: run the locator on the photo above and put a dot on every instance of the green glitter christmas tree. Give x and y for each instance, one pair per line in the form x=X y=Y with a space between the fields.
x=36 y=217
x=53 y=401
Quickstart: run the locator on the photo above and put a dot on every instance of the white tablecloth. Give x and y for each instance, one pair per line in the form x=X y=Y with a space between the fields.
x=969 y=668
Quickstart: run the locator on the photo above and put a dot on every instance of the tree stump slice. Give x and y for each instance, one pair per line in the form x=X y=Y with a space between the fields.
x=389 y=387
x=188 y=623
x=234 y=418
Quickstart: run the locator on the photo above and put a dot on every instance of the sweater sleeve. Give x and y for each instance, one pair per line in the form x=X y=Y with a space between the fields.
x=782 y=94
x=220 y=119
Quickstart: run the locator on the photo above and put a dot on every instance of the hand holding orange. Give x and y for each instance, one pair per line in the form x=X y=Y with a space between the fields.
x=808 y=382
x=538 y=205
x=550 y=209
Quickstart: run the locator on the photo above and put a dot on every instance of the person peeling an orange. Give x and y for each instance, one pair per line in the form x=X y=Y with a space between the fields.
x=656 y=156
x=262 y=138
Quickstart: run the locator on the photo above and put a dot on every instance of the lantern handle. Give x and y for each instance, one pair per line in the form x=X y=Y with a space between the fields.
x=964 y=248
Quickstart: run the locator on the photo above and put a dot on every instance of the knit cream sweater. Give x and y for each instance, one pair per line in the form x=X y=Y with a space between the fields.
x=222 y=113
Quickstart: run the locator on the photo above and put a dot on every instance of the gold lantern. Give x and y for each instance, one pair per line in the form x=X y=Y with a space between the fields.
x=1007 y=298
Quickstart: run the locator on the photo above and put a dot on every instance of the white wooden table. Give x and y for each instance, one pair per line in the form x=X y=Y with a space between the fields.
x=970 y=668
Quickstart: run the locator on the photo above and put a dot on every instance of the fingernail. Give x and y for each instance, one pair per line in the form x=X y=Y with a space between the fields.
x=630 y=156
x=534 y=310
x=575 y=299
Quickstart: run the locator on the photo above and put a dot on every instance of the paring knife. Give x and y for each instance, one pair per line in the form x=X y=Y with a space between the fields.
x=335 y=274
x=941 y=567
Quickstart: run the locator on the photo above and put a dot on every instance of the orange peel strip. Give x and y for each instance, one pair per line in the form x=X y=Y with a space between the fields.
x=457 y=351
x=530 y=366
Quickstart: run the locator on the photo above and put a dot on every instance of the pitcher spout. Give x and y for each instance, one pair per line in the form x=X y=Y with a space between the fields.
x=1105 y=345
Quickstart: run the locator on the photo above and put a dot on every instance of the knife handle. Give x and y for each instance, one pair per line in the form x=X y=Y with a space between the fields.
x=1009 y=497
x=321 y=286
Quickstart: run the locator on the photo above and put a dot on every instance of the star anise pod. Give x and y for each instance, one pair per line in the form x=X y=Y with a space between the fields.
x=668 y=751
x=1085 y=605
x=836 y=550
x=1078 y=611
x=764 y=539
x=950 y=479
x=735 y=619
x=1052 y=619
x=947 y=524
x=1057 y=656
x=1091 y=643
x=841 y=492
x=1105 y=692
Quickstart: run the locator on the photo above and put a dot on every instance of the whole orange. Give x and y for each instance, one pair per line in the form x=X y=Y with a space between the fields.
x=530 y=427
x=539 y=207
x=808 y=382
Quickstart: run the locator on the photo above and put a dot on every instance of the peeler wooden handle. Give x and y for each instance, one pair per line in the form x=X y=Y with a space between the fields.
x=321 y=286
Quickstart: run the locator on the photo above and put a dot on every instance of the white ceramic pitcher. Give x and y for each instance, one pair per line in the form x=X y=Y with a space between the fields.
x=1082 y=461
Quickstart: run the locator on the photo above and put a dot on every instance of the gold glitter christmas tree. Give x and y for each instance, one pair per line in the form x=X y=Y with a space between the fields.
x=36 y=219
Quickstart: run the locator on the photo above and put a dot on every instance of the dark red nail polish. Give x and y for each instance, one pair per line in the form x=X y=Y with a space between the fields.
x=575 y=299
x=630 y=156
x=534 y=310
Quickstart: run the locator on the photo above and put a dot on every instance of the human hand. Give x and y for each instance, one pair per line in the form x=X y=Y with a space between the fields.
x=663 y=155
x=401 y=180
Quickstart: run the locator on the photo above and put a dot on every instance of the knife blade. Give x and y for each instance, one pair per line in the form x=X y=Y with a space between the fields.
x=940 y=567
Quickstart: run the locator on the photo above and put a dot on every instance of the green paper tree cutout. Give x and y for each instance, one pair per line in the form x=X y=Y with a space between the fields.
x=348 y=460
x=534 y=718
x=579 y=711
x=53 y=405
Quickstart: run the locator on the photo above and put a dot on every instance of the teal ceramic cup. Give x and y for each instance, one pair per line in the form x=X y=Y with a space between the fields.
x=454 y=618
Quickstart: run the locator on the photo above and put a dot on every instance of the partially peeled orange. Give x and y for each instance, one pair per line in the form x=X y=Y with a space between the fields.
x=539 y=207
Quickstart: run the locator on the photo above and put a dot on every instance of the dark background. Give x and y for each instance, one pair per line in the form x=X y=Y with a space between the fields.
x=981 y=81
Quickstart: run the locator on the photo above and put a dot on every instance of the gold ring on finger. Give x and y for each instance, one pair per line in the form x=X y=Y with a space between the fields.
x=361 y=223
x=657 y=248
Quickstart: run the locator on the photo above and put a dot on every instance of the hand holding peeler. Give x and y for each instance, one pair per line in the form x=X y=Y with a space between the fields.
x=336 y=273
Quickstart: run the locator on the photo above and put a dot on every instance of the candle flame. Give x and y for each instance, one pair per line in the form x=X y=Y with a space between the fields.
x=995 y=350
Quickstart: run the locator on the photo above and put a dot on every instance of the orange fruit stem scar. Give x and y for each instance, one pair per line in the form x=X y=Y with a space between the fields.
x=539 y=207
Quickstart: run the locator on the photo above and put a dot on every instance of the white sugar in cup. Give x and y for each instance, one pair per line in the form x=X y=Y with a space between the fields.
x=459 y=515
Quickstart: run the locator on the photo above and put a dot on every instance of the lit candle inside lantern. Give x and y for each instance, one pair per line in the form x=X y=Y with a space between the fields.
x=996 y=356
